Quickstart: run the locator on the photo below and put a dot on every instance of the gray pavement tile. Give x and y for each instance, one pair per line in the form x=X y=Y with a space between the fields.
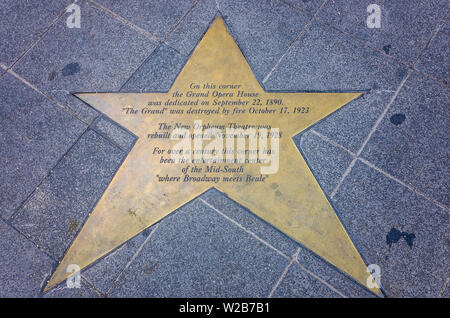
x=158 y=17
x=195 y=252
x=308 y=5
x=63 y=291
x=406 y=26
x=327 y=162
x=412 y=143
x=99 y=56
x=347 y=286
x=191 y=29
x=23 y=22
x=16 y=186
x=24 y=267
x=19 y=174
x=250 y=221
x=35 y=133
x=324 y=59
x=446 y=293
x=299 y=284
x=105 y=271
x=158 y=72
x=350 y=125
x=262 y=29
x=55 y=212
x=395 y=228
x=436 y=59
x=108 y=128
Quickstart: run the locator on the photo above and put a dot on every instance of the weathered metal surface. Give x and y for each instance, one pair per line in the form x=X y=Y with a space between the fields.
x=290 y=199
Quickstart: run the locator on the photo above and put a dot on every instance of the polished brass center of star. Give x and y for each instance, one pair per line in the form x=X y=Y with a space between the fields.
x=218 y=88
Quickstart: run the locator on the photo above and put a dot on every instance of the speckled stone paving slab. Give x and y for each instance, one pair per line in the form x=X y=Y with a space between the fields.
x=382 y=160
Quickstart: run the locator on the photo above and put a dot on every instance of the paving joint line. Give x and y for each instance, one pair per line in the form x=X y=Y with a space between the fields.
x=51 y=99
x=38 y=247
x=435 y=79
x=128 y=23
x=302 y=10
x=283 y=274
x=332 y=142
x=11 y=218
x=427 y=45
x=179 y=21
x=96 y=130
x=441 y=293
x=303 y=30
x=138 y=68
x=371 y=132
x=341 y=180
x=272 y=247
x=159 y=41
x=244 y=229
x=87 y=283
x=375 y=126
x=14 y=214
x=367 y=44
x=43 y=281
x=135 y=255
x=364 y=43
x=64 y=155
x=39 y=38
x=386 y=174
x=296 y=262
x=418 y=192
x=90 y=285
x=112 y=143
x=433 y=35
x=411 y=65
x=9 y=69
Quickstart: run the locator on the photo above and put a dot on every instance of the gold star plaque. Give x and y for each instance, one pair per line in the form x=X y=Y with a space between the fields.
x=215 y=93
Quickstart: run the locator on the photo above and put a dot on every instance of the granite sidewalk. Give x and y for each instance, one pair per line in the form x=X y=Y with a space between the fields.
x=382 y=159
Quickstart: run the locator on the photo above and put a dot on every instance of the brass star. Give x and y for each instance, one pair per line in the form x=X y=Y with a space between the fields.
x=290 y=199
